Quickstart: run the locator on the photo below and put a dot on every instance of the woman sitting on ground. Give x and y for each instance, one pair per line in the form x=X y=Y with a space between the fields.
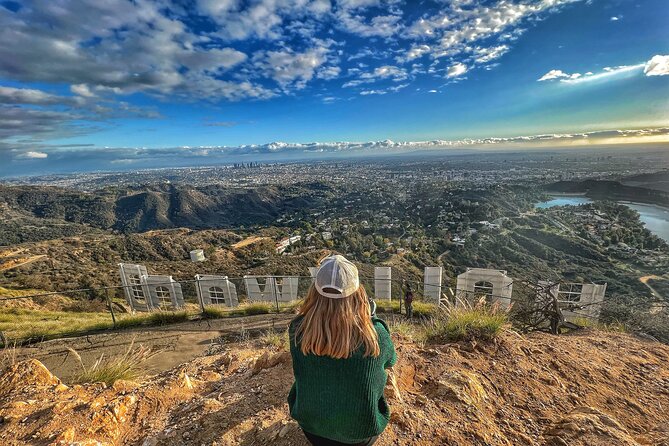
x=340 y=356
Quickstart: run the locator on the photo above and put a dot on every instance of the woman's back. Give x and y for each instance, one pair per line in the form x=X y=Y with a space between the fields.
x=341 y=399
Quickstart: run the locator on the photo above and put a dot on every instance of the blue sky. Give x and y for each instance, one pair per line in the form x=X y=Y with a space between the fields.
x=86 y=84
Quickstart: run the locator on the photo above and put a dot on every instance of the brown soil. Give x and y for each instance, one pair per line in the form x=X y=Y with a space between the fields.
x=589 y=388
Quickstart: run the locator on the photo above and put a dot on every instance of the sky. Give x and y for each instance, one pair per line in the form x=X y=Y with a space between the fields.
x=118 y=84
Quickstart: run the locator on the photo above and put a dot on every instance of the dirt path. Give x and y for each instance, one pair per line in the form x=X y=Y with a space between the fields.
x=178 y=343
x=645 y=280
x=12 y=264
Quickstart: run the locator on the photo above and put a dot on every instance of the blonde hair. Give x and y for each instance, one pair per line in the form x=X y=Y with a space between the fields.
x=336 y=327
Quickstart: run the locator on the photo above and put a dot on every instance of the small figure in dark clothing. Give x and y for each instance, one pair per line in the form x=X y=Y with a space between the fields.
x=408 y=302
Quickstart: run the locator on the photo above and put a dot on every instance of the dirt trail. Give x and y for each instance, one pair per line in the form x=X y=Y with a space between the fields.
x=589 y=388
x=15 y=263
x=178 y=343
x=645 y=280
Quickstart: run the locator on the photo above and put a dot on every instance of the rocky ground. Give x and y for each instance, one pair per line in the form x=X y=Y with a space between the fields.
x=589 y=388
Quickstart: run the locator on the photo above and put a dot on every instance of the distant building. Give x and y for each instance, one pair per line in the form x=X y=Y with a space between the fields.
x=285 y=243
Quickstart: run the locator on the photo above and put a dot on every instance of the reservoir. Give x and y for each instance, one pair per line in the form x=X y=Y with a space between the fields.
x=656 y=218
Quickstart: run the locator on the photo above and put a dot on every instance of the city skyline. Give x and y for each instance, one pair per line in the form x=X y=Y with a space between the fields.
x=97 y=85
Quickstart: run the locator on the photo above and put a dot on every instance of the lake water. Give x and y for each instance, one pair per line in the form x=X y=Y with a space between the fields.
x=564 y=201
x=656 y=218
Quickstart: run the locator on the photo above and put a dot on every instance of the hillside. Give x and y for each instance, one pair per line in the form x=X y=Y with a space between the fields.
x=52 y=212
x=587 y=388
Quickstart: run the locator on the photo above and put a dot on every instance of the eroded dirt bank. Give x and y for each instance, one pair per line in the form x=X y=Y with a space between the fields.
x=589 y=388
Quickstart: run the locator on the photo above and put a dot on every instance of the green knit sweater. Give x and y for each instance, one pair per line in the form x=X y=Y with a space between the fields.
x=341 y=399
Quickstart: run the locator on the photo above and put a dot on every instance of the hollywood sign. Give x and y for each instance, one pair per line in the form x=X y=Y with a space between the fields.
x=147 y=292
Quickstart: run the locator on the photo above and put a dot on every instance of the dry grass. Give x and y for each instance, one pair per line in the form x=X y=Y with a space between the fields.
x=276 y=339
x=109 y=370
x=258 y=308
x=614 y=327
x=408 y=330
x=249 y=309
x=8 y=356
x=22 y=325
x=33 y=325
x=466 y=322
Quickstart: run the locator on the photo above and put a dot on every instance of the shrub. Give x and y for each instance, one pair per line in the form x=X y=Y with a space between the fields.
x=424 y=309
x=126 y=367
x=215 y=312
x=258 y=308
x=292 y=307
x=408 y=330
x=276 y=339
x=155 y=318
x=8 y=356
x=466 y=322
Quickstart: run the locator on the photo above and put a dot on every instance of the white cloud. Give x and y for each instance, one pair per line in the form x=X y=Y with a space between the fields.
x=34 y=155
x=383 y=73
x=657 y=66
x=328 y=73
x=289 y=68
x=414 y=52
x=483 y=55
x=82 y=90
x=10 y=95
x=558 y=74
x=136 y=155
x=616 y=18
x=456 y=70
x=386 y=72
x=379 y=26
x=250 y=49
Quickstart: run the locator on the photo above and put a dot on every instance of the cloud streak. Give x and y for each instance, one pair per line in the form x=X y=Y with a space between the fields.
x=657 y=66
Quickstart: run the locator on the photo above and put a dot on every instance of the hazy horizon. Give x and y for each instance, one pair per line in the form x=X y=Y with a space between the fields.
x=69 y=166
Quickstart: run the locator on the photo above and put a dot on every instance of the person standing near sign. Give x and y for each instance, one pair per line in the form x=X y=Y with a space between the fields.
x=408 y=302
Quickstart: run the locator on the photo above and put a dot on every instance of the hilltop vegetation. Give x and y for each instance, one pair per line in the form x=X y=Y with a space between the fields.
x=56 y=212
